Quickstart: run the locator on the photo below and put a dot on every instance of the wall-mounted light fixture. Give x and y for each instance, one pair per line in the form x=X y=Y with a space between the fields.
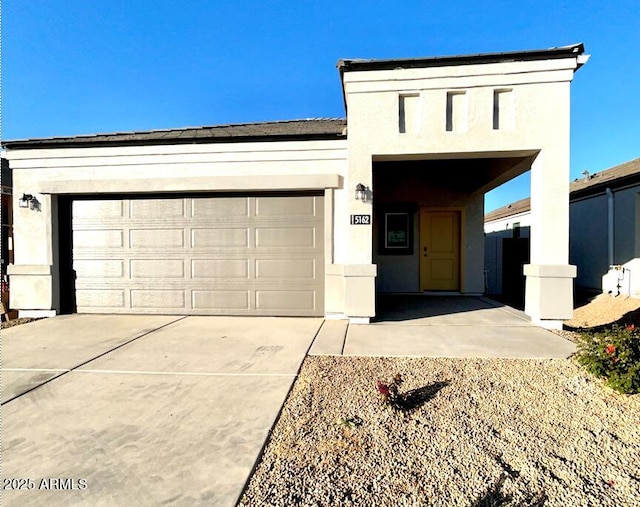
x=29 y=201
x=363 y=193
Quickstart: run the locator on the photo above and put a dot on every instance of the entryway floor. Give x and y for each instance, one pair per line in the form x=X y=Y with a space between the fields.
x=443 y=326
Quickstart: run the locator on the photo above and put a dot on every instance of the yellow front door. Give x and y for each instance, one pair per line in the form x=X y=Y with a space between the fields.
x=439 y=250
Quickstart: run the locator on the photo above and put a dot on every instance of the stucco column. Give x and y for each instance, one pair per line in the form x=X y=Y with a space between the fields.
x=358 y=272
x=33 y=277
x=549 y=283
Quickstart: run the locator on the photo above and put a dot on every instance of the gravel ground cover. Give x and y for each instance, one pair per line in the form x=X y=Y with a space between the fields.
x=17 y=322
x=605 y=309
x=480 y=432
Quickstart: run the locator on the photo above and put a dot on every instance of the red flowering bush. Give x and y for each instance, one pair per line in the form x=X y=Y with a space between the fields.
x=613 y=354
x=389 y=390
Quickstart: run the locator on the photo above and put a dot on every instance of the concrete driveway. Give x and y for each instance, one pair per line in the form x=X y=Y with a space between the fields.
x=143 y=410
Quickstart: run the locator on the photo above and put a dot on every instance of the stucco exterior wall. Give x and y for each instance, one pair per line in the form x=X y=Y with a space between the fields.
x=473 y=250
x=398 y=273
x=449 y=112
x=626 y=215
x=45 y=173
x=588 y=240
x=95 y=169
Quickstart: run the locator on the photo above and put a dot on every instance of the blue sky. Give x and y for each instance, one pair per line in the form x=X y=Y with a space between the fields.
x=80 y=67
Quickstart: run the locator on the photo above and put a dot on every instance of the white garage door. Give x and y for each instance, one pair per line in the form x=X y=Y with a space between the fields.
x=259 y=255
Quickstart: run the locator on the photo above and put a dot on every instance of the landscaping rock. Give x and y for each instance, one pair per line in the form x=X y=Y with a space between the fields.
x=605 y=309
x=480 y=432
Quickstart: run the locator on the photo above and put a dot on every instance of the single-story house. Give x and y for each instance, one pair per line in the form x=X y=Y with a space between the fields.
x=604 y=232
x=307 y=217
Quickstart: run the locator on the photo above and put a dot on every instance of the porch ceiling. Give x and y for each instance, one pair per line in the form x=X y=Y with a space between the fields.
x=462 y=175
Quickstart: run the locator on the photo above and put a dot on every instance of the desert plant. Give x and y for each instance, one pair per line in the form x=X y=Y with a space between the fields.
x=389 y=391
x=409 y=400
x=352 y=421
x=613 y=354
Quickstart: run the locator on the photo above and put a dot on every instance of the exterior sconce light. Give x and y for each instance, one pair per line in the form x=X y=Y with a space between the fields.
x=25 y=200
x=361 y=192
x=29 y=201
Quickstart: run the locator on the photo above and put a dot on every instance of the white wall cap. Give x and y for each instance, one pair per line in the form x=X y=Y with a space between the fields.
x=29 y=269
x=550 y=270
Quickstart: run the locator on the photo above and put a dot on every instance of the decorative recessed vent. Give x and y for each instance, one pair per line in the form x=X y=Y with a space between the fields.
x=457 y=111
x=409 y=114
x=503 y=109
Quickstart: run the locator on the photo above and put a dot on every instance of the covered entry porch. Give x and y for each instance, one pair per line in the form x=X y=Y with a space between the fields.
x=428 y=137
x=428 y=220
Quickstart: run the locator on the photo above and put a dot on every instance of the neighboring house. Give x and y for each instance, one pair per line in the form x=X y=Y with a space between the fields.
x=307 y=217
x=604 y=220
x=6 y=219
x=506 y=250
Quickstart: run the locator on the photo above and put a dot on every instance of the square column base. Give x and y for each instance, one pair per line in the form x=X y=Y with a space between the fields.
x=360 y=291
x=548 y=324
x=549 y=293
x=32 y=288
x=351 y=292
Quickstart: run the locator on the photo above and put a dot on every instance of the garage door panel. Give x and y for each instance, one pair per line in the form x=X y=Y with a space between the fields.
x=258 y=255
x=295 y=237
x=160 y=209
x=100 y=298
x=286 y=268
x=158 y=298
x=220 y=207
x=285 y=300
x=157 y=268
x=220 y=268
x=105 y=238
x=223 y=237
x=221 y=299
x=100 y=209
x=286 y=206
x=156 y=238
x=99 y=268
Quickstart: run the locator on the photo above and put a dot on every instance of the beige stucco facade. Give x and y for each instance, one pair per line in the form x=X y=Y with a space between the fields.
x=429 y=134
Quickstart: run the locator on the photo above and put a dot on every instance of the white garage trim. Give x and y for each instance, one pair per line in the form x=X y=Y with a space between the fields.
x=193 y=184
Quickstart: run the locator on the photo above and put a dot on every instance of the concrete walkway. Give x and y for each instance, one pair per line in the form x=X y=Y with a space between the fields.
x=455 y=326
x=146 y=410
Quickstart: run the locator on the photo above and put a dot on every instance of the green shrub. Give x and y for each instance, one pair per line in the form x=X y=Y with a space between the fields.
x=613 y=354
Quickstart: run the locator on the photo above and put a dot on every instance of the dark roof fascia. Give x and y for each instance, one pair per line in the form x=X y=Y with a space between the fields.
x=520 y=207
x=350 y=65
x=573 y=50
x=627 y=180
x=80 y=142
x=620 y=183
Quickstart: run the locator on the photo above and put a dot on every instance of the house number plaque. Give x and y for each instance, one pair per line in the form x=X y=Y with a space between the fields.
x=360 y=219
